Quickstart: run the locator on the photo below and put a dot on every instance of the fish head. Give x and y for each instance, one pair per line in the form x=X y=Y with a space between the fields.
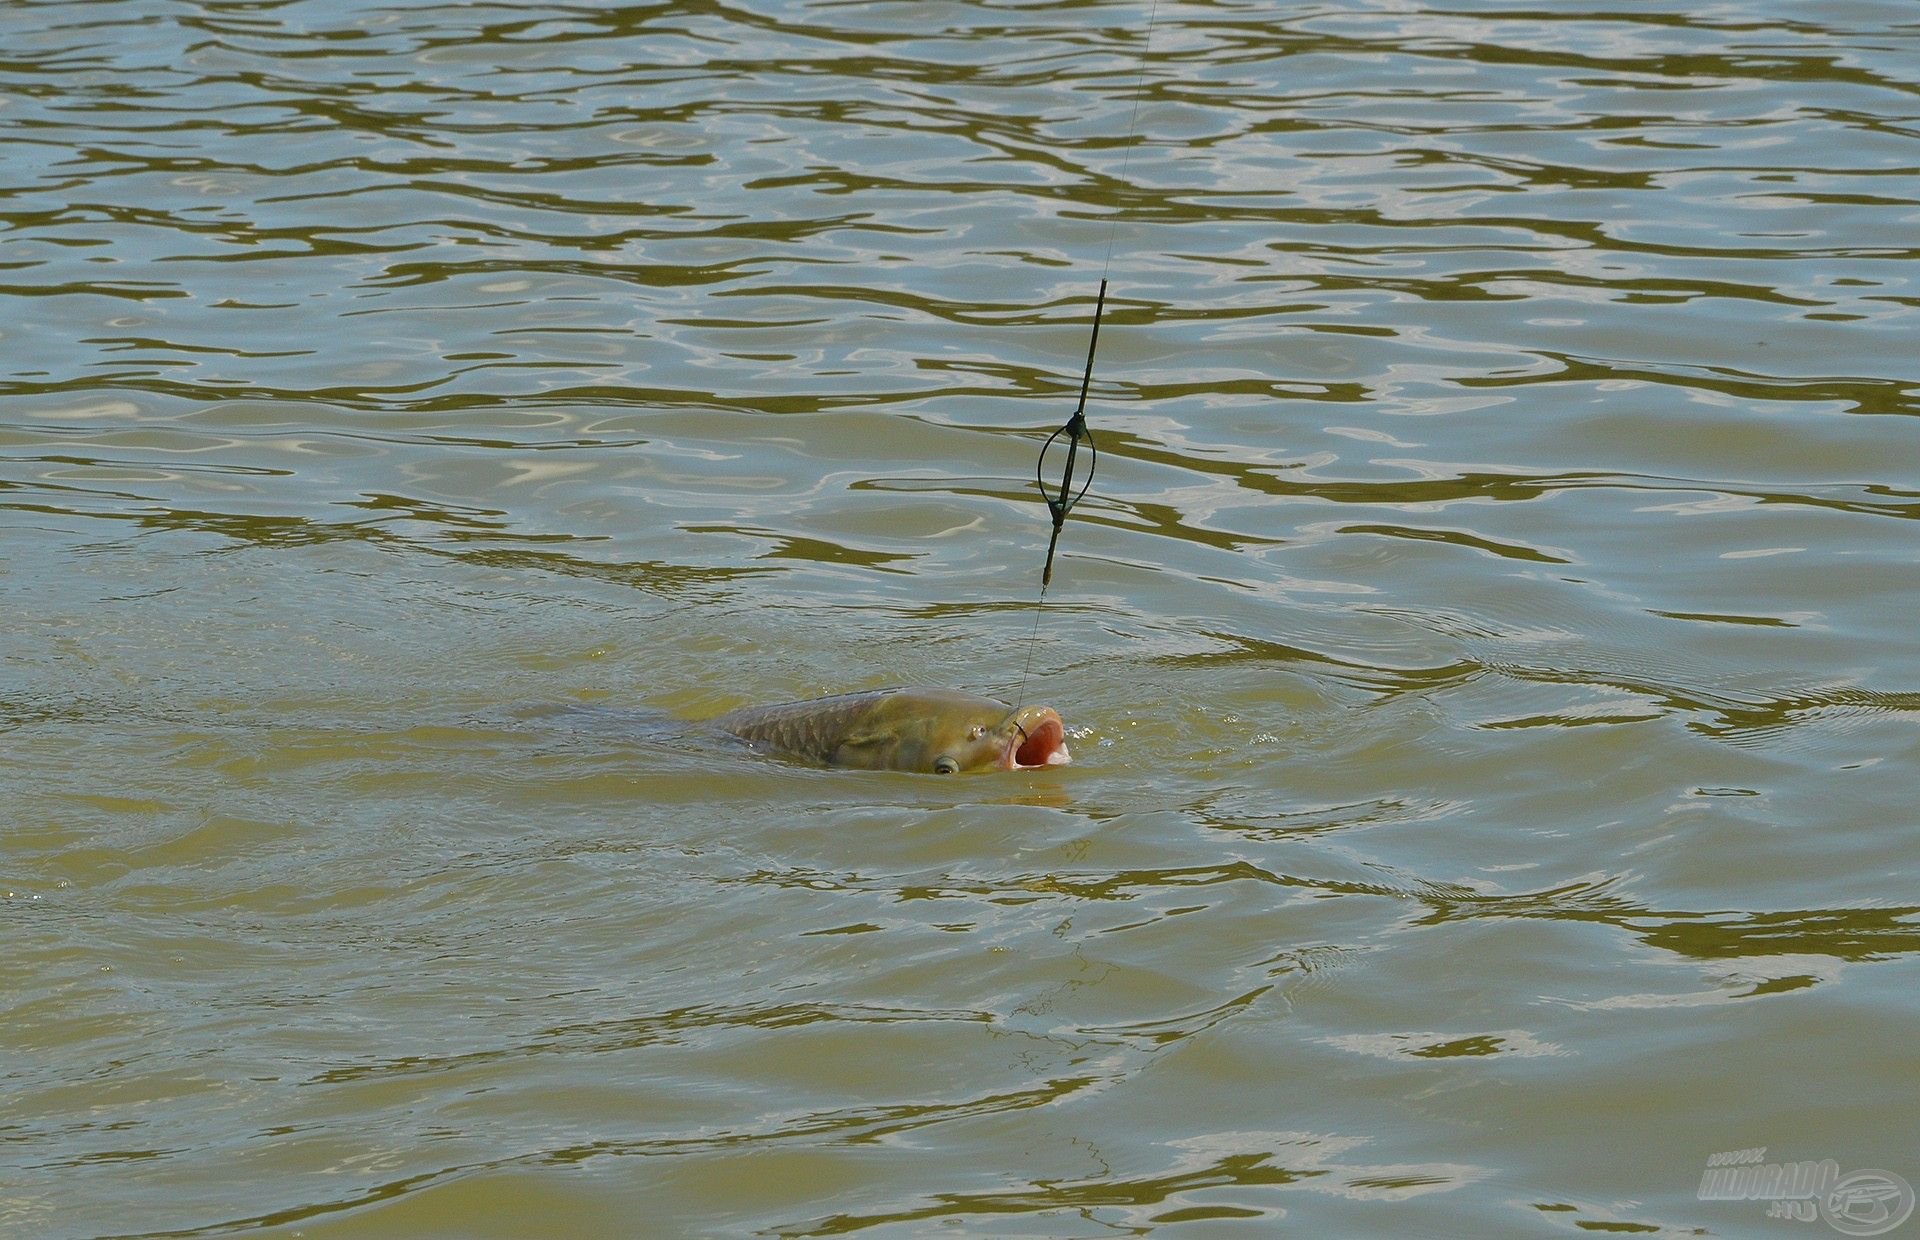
x=947 y=733
x=992 y=736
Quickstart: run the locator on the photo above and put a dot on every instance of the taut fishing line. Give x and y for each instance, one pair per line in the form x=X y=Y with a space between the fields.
x=1061 y=500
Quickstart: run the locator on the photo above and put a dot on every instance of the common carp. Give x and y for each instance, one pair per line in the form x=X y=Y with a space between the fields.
x=942 y=731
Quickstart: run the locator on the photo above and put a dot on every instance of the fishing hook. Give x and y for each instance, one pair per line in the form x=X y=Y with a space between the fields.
x=1060 y=503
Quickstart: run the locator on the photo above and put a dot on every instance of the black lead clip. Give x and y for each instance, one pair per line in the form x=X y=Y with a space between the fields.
x=1061 y=502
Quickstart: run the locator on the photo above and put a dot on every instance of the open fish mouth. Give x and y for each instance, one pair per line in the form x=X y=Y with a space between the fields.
x=1039 y=739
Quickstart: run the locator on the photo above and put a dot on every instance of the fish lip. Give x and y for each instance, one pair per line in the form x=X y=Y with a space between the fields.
x=1039 y=739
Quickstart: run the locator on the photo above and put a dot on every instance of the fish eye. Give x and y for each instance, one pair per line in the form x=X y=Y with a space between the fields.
x=943 y=765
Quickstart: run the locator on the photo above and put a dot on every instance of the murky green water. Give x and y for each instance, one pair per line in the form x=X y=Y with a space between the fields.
x=1489 y=647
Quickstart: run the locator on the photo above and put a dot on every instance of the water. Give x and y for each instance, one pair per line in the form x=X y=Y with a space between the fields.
x=1488 y=647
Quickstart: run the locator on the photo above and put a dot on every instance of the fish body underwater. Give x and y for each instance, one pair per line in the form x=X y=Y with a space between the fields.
x=940 y=731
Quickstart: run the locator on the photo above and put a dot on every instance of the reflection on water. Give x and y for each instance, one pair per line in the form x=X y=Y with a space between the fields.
x=1488 y=648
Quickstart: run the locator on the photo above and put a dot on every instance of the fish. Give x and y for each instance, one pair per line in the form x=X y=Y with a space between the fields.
x=938 y=731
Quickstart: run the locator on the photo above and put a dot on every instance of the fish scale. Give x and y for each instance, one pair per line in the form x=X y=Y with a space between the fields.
x=813 y=727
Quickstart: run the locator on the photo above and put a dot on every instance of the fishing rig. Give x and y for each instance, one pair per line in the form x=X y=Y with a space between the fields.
x=1061 y=500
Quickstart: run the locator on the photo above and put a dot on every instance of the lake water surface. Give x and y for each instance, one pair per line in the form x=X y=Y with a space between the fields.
x=1488 y=649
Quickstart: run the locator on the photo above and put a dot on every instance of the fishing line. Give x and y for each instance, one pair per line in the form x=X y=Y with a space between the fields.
x=1126 y=148
x=1061 y=502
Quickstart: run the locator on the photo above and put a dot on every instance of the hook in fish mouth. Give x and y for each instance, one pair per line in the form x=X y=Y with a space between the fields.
x=1038 y=741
